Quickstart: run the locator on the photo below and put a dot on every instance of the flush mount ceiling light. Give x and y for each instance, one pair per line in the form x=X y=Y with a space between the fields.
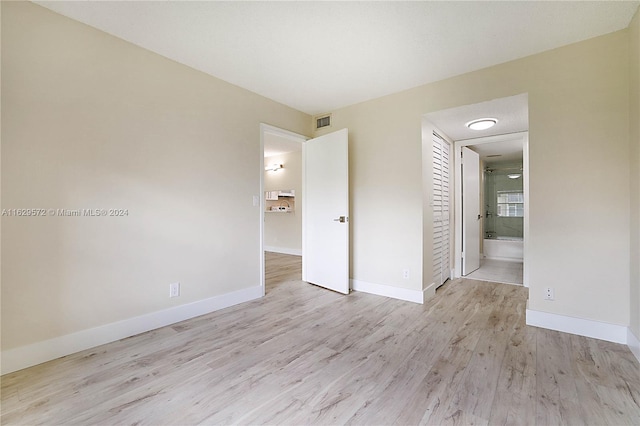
x=273 y=167
x=482 y=123
x=513 y=175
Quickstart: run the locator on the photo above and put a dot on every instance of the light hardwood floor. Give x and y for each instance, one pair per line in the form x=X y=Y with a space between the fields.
x=304 y=355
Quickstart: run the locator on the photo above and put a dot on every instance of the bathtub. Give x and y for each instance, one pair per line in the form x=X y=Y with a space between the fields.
x=504 y=248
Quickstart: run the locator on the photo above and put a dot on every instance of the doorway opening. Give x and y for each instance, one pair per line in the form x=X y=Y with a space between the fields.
x=501 y=206
x=280 y=206
x=491 y=194
x=305 y=213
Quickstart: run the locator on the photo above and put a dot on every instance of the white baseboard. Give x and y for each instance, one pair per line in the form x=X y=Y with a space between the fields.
x=284 y=250
x=429 y=292
x=582 y=327
x=634 y=344
x=506 y=259
x=37 y=353
x=416 y=296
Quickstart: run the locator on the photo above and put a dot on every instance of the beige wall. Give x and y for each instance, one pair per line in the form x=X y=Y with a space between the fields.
x=90 y=121
x=283 y=231
x=579 y=174
x=0 y=186
x=634 y=120
x=386 y=194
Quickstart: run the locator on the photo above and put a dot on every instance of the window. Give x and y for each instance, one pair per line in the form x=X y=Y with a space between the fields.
x=510 y=204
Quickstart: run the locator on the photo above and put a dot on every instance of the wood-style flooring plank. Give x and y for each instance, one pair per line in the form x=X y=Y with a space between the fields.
x=515 y=398
x=306 y=355
x=557 y=393
x=493 y=326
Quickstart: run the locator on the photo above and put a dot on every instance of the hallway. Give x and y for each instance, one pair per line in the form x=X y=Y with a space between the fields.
x=499 y=271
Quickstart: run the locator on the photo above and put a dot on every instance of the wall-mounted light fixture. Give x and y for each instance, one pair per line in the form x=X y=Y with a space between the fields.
x=274 y=167
x=482 y=123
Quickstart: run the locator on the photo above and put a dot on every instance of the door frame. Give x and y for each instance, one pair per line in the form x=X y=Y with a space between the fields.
x=457 y=217
x=294 y=137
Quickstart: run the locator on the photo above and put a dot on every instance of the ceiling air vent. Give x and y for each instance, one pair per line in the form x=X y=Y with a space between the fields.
x=323 y=121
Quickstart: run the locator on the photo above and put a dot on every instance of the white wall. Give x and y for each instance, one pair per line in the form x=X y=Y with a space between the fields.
x=578 y=98
x=91 y=121
x=283 y=231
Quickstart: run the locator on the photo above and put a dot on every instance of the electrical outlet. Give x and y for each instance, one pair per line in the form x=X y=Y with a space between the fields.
x=174 y=290
x=405 y=274
x=548 y=293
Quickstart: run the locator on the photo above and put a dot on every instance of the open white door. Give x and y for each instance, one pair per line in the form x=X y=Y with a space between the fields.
x=470 y=211
x=325 y=213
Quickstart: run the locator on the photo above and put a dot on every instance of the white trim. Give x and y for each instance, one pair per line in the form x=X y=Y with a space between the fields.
x=261 y=205
x=429 y=291
x=634 y=343
x=304 y=218
x=283 y=250
x=416 y=296
x=526 y=232
x=582 y=327
x=47 y=350
x=504 y=259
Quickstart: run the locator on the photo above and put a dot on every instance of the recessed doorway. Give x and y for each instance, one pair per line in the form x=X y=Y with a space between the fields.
x=490 y=230
x=308 y=207
x=501 y=200
x=281 y=206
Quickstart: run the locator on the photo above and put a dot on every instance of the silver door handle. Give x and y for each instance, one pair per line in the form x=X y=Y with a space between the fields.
x=341 y=219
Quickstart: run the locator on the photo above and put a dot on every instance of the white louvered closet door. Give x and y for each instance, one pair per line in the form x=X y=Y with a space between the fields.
x=441 y=271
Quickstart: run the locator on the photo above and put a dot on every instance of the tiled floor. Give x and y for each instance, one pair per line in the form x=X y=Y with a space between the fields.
x=500 y=271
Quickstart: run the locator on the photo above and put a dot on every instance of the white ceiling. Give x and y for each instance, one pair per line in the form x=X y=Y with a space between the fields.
x=320 y=56
x=512 y=114
x=509 y=152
